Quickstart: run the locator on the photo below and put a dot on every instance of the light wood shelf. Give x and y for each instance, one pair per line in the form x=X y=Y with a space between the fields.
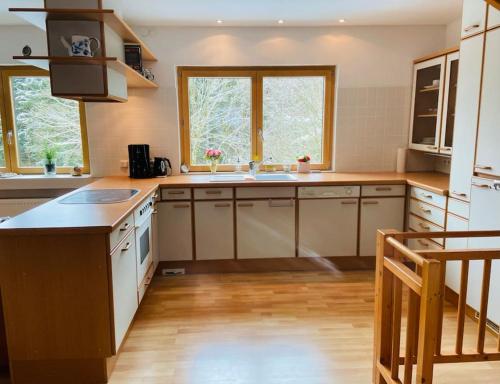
x=134 y=79
x=38 y=17
x=433 y=89
x=428 y=115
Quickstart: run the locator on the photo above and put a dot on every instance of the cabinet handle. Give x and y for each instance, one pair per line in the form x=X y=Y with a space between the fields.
x=459 y=194
x=426 y=196
x=426 y=227
x=483 y=186
x=155 y=212
x=425 y=210
x=155 y=196
x=432 y=147
x=349 y=203
x=484 y=167
x=471 y=27
x=181 y=206
x=280 y=203
x=213 y=192
x=245 y=205
x=127 y=247
x=221 y=205
x=423 y=243
x=380 y=189
x=370 y=202
x=176 y=192
x=125 y=227
x=445 y=149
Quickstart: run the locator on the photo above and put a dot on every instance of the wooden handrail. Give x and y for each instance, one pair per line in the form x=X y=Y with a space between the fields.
x=425 y=279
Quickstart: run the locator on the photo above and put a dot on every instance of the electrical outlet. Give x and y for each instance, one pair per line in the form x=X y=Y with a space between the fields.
x=123 y=163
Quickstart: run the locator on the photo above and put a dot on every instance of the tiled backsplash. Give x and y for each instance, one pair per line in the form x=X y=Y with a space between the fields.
x=372 y=123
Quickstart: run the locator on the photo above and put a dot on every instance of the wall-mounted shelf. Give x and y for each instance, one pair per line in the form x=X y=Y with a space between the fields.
x=38 y=17
x=134 y=79
x=425 y=116
x=433 y=89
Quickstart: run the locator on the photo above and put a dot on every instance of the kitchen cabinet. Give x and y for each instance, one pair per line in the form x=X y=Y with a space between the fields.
x=450 y=99
x=428 y=89
x=125 y=303
x=488 y=155
x=473 y=17
x=328 y=227
x=214 y=230
x=454 y=268
x=379 y=213
x=493 y=17
x=175 y=231
x=265 y=228
x=467 y=110
x=485 y=205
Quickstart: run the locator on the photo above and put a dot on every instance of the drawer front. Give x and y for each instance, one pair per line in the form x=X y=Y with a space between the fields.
x=144 y=285
x=121 y=231
x=176 y=194
x=459 y=208
x=429 y=197
x=428 y=212
x=265 y=192
x=328 y=192
x=418 y=225
x=213 y=193
x=422 y=245
x=383 y=190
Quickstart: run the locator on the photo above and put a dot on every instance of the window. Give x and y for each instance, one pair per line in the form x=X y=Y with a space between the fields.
x=34 y=121
x=265 y=114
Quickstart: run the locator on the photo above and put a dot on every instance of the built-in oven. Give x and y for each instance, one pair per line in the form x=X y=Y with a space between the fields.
x=143 y=236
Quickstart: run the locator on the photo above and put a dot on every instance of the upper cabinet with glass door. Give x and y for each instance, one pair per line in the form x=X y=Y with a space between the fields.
x=433 y=104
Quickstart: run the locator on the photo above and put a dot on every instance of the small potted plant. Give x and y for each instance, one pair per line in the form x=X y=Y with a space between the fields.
x=304 y=164
x=214 y=156
x=49 y=159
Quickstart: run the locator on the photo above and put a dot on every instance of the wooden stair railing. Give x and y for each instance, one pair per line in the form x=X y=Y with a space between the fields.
x=494 y=3
x=423 y=274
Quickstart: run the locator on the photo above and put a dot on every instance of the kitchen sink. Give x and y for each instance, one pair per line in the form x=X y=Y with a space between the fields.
x=100 y=196
x=258 y=177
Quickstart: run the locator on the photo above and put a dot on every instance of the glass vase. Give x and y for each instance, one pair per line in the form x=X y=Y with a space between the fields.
x=213 y=166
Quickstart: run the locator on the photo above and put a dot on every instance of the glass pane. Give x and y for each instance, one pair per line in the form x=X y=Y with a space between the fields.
x=220 y=111
x=44 y=122
x=452 y=100
x=2 y=149
x=293 y=111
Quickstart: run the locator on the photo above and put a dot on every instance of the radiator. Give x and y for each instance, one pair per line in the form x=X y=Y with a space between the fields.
x=13 y=207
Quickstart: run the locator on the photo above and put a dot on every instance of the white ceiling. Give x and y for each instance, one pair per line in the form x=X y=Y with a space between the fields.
x=267 y=12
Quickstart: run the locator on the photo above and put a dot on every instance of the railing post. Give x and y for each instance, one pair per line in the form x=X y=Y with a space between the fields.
x=429 y=315
x=383 y=311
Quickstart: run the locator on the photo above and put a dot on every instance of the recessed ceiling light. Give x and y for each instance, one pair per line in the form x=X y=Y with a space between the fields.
x=281 y=21
x=341 y=20
x=219 y=21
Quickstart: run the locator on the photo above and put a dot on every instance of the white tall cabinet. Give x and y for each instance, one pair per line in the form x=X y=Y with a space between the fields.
x=488 y=153
x=467 y=110
x=474 y=17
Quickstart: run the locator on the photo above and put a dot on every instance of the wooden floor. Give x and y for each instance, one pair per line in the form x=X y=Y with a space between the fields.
x=275 y=328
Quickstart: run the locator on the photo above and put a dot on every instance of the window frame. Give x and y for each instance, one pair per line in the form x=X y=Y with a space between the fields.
x=8 y=124
x=257 y=75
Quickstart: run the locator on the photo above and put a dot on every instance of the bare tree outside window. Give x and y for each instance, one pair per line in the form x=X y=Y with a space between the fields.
x=220 y=111
x=45 y=122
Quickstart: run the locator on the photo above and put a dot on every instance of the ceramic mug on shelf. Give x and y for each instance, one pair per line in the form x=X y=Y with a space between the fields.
x=83 y=46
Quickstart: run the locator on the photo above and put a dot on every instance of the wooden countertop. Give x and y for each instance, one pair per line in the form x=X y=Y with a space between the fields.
x=72 y=218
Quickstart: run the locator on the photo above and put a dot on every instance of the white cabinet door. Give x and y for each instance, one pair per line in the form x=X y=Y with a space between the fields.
x=124 y=275
x=488 y=153
x=454 y=268
x=449 y=103
x=175 y=231
x=467 y=109
x=386 y=213
x=474 y=17
x=328 y=227
x=214 y=225
x=493 y=17
x=485 y=205
x=265 y=228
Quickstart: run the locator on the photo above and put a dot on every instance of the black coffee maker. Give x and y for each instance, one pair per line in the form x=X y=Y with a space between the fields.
x=139 y=161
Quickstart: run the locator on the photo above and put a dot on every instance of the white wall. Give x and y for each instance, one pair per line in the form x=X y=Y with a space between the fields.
x=453 y=33
x=374 y=78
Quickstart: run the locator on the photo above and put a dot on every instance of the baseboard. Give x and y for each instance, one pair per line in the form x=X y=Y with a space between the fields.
x=271 y=265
